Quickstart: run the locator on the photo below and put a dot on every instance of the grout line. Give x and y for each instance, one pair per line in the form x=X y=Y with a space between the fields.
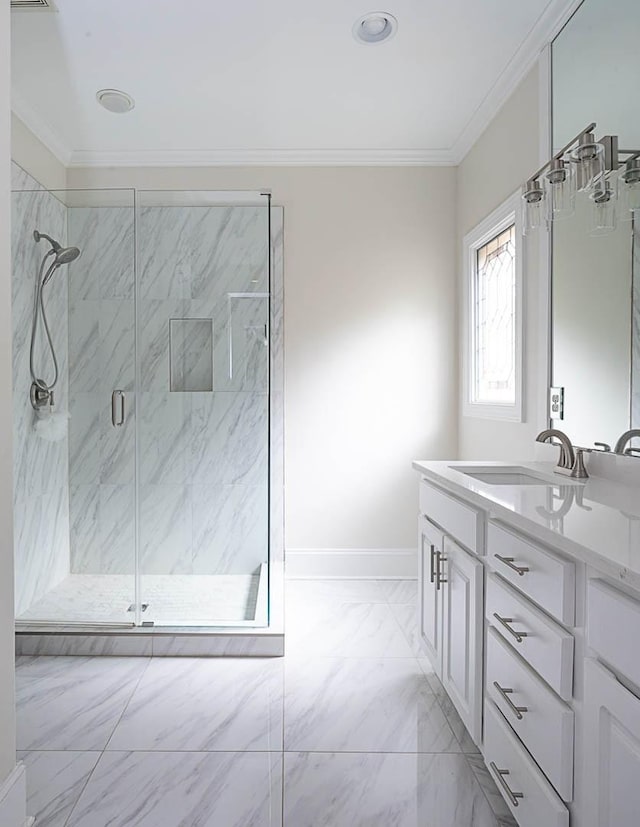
x=84 y=786
x=126 y=705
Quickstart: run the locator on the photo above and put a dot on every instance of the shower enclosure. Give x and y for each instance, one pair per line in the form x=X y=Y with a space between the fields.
x=158 y=503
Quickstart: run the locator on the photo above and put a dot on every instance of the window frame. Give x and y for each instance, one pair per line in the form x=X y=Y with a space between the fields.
x=506 y=215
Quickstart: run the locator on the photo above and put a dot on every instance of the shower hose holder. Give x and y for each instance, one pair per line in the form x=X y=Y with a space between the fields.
x=40 y=395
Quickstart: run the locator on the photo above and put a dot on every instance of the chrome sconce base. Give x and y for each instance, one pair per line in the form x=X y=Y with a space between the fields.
x=585 y=165
x=40 y=396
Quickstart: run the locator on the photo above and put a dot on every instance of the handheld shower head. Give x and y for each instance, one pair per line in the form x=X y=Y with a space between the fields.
x=63 y=255
x=66 y=255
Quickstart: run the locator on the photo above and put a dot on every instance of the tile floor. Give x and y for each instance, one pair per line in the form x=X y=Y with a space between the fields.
x=350 y=729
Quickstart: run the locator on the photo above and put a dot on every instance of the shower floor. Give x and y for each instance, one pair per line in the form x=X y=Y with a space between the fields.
x=173 y=600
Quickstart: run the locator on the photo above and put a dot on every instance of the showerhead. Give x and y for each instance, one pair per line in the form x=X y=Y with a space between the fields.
x=63 y=255
x=66 y=255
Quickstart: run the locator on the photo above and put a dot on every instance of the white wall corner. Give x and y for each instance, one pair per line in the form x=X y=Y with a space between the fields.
x=548 y=25
x=381 y=564
x=13 y=799
x=43 y=132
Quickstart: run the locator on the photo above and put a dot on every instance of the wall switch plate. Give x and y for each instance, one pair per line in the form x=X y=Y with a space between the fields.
x=556 y=403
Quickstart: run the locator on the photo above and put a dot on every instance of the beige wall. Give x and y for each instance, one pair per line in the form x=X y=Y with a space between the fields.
x=502 y=158
x=33 y=156
x=370 y=339
x=7 y=704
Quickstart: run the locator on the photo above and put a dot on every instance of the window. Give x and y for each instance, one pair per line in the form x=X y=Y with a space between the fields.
x=492 y=367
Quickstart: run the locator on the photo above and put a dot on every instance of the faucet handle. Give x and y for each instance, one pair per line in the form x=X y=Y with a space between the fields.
x=578 y=471
x=603 y=446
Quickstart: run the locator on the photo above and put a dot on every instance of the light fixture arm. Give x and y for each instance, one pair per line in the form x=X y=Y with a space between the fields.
x=586 y=131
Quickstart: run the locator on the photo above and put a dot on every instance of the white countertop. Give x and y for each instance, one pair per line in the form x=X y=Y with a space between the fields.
x=597 y=521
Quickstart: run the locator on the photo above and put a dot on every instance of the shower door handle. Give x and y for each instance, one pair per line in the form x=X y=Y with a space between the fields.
x=117 y=409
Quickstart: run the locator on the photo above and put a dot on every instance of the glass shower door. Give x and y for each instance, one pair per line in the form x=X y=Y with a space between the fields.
x=203 y=427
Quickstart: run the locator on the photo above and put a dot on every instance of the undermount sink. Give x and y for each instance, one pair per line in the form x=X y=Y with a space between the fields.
x=504 y=475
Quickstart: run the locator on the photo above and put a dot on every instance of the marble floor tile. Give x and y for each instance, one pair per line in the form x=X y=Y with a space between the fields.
x=54 y=783
x=367 y=705
x=491 y=792
x=356 y=630
x=455 y=722
x=70 y=702
x=317 y=592
x=205 y=705
x=193 y=789
x=399 y=591
x=406 y=615
x=365 y=790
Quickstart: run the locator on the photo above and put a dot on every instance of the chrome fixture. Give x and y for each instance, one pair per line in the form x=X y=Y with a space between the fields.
x=622 y=444
x=570 y=462
x=517 y=710
x=567 y=458
x=506 y=622
x=500 y=776
x=608 y=174
x=41 y=393
x=604 y=447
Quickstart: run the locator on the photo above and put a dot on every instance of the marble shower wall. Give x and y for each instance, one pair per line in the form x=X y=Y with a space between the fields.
x=203 y=454
x=41 y=481
x=102 y=359
x=635 y=329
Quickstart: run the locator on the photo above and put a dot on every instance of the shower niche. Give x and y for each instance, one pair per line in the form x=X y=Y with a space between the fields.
x=159 y=507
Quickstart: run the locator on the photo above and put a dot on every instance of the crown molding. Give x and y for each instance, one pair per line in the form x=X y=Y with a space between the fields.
x=264 y=157
x=43 y=132
x=548 y=25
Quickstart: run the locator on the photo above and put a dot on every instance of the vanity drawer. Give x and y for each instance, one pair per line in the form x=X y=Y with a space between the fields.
x=543 y=722
x=536 y=802
x=543 y=644
x=461 y=521
x=613 y=628
x=547 y=579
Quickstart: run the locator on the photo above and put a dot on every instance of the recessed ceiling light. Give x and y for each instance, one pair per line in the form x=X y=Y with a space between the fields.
x=375 y=27
x=115 y=101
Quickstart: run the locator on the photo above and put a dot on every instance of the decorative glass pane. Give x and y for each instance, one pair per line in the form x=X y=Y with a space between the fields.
x=494 y=321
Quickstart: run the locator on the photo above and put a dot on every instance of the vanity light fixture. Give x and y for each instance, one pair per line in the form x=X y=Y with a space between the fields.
x=114 y=100
x=375 y=27
x=607 y=174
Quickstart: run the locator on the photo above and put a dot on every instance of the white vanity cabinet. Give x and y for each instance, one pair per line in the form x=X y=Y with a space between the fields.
x=612 y=755
x=450 y=611
x=540 y=653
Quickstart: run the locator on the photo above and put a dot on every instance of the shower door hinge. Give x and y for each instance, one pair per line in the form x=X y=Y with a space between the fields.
x=556 y=403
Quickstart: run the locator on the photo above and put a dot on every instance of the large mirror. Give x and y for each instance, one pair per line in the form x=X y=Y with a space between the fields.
x=596 y=270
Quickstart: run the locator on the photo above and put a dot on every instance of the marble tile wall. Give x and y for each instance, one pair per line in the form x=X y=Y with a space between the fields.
x=41 y=483
x=203 y=456
x=102 y=359
x=635 y=330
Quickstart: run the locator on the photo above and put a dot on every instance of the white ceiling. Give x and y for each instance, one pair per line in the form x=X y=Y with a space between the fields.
x=262 y=81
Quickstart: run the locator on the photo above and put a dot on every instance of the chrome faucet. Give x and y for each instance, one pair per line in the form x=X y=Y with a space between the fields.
x=625 y=439
x=567 y=459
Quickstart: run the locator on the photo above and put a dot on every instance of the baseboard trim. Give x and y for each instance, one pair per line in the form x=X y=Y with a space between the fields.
x=13 y=799
x=388 y=563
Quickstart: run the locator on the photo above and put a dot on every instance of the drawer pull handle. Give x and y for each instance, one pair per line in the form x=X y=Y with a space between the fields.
x=440 y=558
x=500 y=774
x=432 y=570
x=510 y=562
x=505 y=621
x=517 y=710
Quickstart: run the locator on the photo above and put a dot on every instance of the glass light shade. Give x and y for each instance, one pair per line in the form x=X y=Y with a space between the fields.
x=533 y=207
x=629 y=190
x=603 y=210
x=588 y=159
x=561 y=192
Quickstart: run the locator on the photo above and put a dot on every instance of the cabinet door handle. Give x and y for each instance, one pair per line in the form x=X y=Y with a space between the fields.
x=517 y=710
x=440 y=558
x=510 y=562
x=500 y=774
x=505 y=621
x=432 y=570
x=117 y=409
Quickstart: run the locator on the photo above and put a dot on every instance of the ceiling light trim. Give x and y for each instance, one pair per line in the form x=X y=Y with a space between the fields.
x=548 y=25
x=266 y=158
